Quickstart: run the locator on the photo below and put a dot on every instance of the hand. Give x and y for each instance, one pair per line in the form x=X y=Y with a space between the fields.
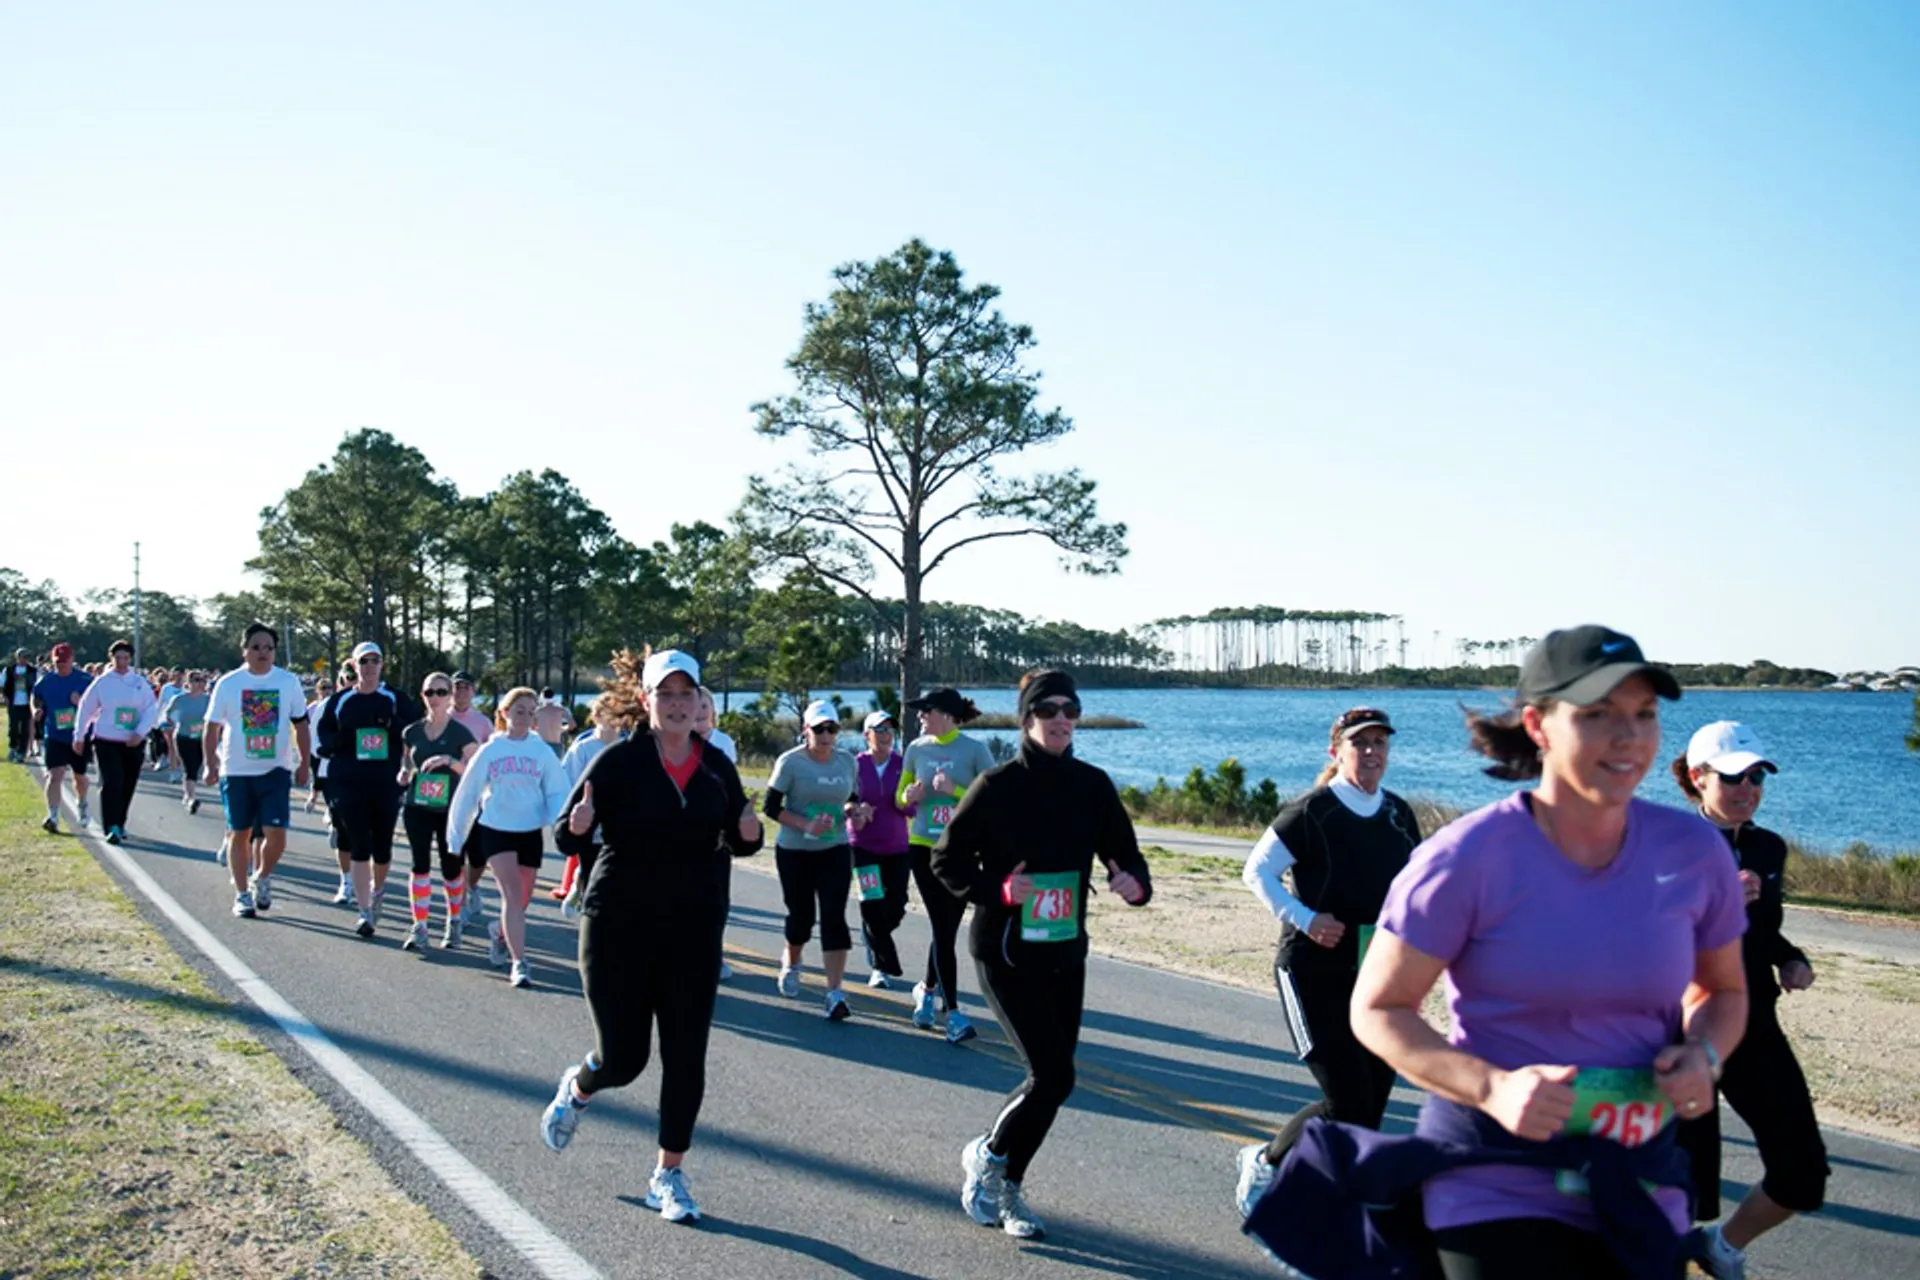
x=942 y=783
x=821 y=824
x=1749 y=887
x=915 y=792
x=1018 y=886
x=1796 y=975
x=1124 y=884
x=1326 y=931
x=1532 y=1102
x=302 y=776
x=436 y=762
x=580 y=820
x=749 y=823
x=1686 y=1077
x=859 y=815
x=211 y=775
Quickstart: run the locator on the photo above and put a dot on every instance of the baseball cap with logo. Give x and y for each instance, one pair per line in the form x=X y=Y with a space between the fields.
x=366 y=649
x=819 y=713
x=1582 y=665
x=1727 y=746
x=665 y=662
x=1348 y=723
x=874 y=720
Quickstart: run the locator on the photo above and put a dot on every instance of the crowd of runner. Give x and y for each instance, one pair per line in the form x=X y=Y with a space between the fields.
x=1611 y=966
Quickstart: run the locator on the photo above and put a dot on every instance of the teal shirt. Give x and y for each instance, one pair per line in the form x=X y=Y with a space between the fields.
x=961 y=758
x=187 y=713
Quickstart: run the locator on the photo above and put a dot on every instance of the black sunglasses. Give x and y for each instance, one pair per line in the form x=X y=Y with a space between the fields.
x=371 y=660
x=1048 y=710
x=1754 y=777
x=826 y=728
x=439 y=693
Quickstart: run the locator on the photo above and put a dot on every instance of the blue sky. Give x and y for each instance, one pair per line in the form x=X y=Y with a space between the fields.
x=1496 y=316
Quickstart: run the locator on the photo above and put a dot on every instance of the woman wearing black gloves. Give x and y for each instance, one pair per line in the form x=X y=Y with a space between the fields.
x=1021 y=849
x=655 y=822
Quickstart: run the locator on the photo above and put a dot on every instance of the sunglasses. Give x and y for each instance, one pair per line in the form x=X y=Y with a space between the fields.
x=370 y=661
x=825 y=728
x=1048 y=710
x=1754 y=777
x=439 y=693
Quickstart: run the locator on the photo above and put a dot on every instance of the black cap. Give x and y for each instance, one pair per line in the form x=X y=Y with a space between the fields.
x=1348 y=723
x=946 y=700
x=461 y=677
x=1582 y=665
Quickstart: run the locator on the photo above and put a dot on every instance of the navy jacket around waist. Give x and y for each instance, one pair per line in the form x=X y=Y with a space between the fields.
x=1345 y=1203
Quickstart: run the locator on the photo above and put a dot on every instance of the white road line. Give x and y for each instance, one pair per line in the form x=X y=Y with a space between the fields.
x=549 y=1255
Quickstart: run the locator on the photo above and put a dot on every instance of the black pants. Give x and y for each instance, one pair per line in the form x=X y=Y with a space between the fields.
x=366 y=813
x=816 y=883
x=880 y=916
x=426 y=827
x=1354 y=1084
x=1764 y=1083
x=639 y=971
x=1039 y=1011
x=944 y=912
x=119 y=778
x=192 y=757
x=1527 y=1249
x=19 y=724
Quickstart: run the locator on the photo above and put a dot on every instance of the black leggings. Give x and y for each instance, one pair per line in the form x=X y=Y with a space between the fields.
x=880 y=916
x=365 y=813
x=120 y=764
x=19 y=727
x=641 y=970
x=1528 y=1248
x=426 y=827
x=1039 y=1012
x=1354 y=1084
x=192 y=757
x=816 y=882
x=1764 y=1084
x=944 y=913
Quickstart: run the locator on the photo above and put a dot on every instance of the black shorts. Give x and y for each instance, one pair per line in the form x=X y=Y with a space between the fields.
x=528 y=846
x=61 y=755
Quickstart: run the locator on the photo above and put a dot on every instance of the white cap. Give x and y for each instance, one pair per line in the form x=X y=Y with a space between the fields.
x=364 y=648
x=663 y=664
x=874 y=720
x=819 y=713
x=1727 y=746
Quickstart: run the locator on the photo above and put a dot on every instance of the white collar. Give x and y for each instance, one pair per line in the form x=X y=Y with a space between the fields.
x=1363 y=804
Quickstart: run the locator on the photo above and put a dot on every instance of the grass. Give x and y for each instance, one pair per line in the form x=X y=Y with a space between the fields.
x=144 y=1132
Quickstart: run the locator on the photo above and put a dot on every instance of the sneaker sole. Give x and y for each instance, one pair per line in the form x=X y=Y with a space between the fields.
x=688 y=1217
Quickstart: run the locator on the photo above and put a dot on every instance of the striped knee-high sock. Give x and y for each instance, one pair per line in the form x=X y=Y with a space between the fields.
x=420 y=895
x=456 y=891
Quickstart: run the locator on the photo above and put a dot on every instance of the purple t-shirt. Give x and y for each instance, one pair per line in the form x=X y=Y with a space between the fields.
x=887 y=833
x=1550 y=963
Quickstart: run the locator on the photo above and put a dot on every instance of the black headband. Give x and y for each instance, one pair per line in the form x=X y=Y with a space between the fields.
x=1047 y=684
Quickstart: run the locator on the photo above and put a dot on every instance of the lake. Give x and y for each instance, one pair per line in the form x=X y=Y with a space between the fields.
x=1845 y=772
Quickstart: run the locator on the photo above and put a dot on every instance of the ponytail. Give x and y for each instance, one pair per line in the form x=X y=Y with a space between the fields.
x=1504 y=739
x=1684 y=776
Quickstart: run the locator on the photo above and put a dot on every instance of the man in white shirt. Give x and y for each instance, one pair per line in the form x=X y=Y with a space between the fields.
x=258 y=745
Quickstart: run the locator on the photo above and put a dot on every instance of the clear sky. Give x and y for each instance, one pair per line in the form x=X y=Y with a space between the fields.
x=1498 y=316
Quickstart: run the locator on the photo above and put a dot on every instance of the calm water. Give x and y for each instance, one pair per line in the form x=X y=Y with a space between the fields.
x=1845 y=772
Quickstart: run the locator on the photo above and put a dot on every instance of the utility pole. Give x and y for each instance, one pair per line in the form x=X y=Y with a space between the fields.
x=136 y=604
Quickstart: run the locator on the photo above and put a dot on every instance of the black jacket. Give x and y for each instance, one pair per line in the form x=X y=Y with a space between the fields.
x=654 y=850
x=346 y=714
x=6 y=683
x=1765 y=949
x=1343 y=864
x=1054 y=813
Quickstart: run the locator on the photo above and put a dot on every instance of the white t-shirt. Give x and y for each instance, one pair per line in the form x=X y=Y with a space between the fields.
x=256 y=714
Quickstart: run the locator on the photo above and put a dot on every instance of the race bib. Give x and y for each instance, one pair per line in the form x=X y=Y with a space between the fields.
x=939 y=814
x=63 y=719
x=432 y=790
x=261 y=746
x=126 y=718
x=1623 y=1104
x=814 y=812
x=870 y=887
x=1052 y=914
x=370 y=744
x=1366 y=940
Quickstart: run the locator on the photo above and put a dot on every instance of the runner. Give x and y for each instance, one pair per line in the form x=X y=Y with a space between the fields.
x=16 y=691
x=169 y=683
x=656 y=821
x=707 y=725
x=337 y=838
x=480 y=725
x=1021 y=848
x=117 y=711
x=360 y=737
x=811 y=798
x=322 y=690
x=939 y=767
x=512 y=790
x=1723 y=773
x=1590 y=943
x=437 y=753
x=56 y=696
x=258 y=744
x=881 y=865
x=1340 y=845
x=185 y=721
x=605 y=733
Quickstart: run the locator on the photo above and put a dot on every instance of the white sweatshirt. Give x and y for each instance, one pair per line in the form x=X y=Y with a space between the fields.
x=512 y=784
x=1268 y=862
x=124 y=705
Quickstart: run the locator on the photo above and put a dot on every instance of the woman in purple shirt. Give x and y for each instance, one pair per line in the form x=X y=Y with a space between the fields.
x=880 y=862
x=1591 y=948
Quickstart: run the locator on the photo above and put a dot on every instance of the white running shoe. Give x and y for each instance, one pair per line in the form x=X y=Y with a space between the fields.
x=562 y=1115
x=1255 y=1176
x=1709 y=1248
x=726 y=972
x=497 y=954
x=450 y=935
x=344 y=894
x=364 y=925
x=668 y=1192
x=243 y=905
x=1016 y=1219
x=985 y=1174
x=263 y=892
x=790 y=983
x=838 y=1010
x=924 y=1009
x=878 y=981
x=520 y=975
x=959 y=1027
x=416 y=939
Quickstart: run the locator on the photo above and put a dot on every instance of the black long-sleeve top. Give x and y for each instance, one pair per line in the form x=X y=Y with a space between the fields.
x=653 y=849
x=1343 y=864
x=1055 y=814
x=349 y=714
x=1765 y=949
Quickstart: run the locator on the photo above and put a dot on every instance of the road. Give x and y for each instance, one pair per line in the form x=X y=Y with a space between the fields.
x=832 y=1149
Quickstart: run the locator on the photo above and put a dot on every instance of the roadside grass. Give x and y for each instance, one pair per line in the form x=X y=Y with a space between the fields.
x=144 y=1130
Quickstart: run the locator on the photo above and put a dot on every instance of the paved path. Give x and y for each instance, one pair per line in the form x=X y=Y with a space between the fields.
x=832 y=1150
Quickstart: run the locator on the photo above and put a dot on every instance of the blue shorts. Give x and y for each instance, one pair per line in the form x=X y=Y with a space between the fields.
x=260 y=801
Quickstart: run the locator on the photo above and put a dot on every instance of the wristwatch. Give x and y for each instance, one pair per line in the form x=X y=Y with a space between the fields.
x=1713 y=1058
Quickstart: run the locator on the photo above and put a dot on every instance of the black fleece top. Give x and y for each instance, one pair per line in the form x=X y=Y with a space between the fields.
x=1765 y=949
x=1054 y=813
x=654 y=850
x=337 y=737
x=1343 y=864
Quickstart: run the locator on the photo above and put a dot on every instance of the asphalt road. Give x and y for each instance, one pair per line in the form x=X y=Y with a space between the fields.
x=833 y=1149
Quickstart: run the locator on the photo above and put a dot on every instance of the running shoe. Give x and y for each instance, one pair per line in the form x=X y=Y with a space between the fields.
x=878 y=981
x=263 y=892
x=115 y=835
x=985 y=1173
x=243 y=905
x=365 y=926
x=86 y=816
x=416 y=939
x=1016 y=1219
x=1255 y=1176
x=344 y=894
x=520 y=975
x=450 y=935
x=959 y=1027
x=50 y=824
x=497 y=954
x=668 y=1192
x=193 y=805
x=1706 y=1246
x=726 y=972
x=562 y=1115
x=837 y=1008
x=924 y=1010
x=790 y=983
